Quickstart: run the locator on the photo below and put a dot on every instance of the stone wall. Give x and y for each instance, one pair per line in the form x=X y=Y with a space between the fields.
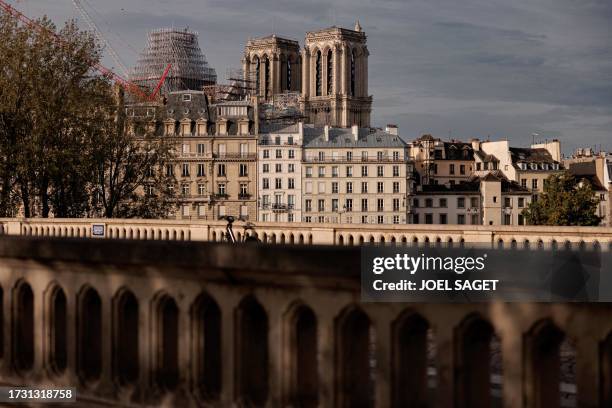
x=208 y=324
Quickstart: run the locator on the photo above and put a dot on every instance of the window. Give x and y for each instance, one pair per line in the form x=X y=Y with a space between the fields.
x=474 y=202
x=494 y=199
x=349 y=156
x=330 y=72
x=321 y=187
x=291 y=168
x=278 y=183
x=349 y=187
x=243 y=170
x=443 y=219
x=364 y=155
x=201 y=210
x=524 y=183
x=308 y=205
x=380 y=219
x=265 y=168
x=428 y=218
x=415 y=218
x=507 y=202
x=221 y=188
x=335 y=187
x=452 y=169
x=201 y=149
x=291 y=201
x=349 y=171
x=244 y=189
x=201 y=189
x=395 y=156
x=461 y=219
x=186 y=97
x=353 y=72
x=364 y=219
x=428 y=203
x=292 y=154
x=521 y=202
x=201 y=170
x=443 y=203
x=396 y=204
x=534 y=184
x=334 y=204
x=396 y=219
x=308 y=187
x=321 y=206
x=291 y=183
x=415 y=203
x=380 y=187
x=279 y=154
x=170 y=170
x=321 y=171
x=277 y=140
x=349 y=205
x=380 y=171
x=364 y=204
x=308 y=171
x=460 y=202
x=380 y=204
x=290 y=142
x=185 y=190
x=462 y=169
x=478 y=166
x=318 y=74
x=435 y=168
x=265 y=183
x=396 y=187
x=335 y=171
x=364 y=171
x=364 y=187
x=307 y=219
x=266 y=154
x=221 y=170
x=521 y=219
x=475 y=219
x=507 y=219
x=396 y=171
x=321 y=156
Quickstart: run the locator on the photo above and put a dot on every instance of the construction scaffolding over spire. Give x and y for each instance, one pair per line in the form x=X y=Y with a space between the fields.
x=189 y=71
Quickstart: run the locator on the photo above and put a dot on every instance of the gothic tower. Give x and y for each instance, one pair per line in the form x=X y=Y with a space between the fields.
x=335 y=78
x=272 y=65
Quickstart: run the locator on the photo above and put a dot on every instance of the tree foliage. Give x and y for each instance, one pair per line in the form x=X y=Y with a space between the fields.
x=565 y=201
x=64 y=149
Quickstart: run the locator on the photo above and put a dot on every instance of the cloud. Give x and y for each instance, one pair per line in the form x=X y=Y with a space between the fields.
x=475 y=67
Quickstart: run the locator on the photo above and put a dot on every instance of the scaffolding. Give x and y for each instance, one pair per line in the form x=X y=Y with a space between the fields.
x=237 y=87
x=189 y=71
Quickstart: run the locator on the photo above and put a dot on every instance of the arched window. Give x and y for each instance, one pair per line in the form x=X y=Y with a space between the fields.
x=257 y=64
x=318 y=75
x=126 y=341
x=353 y=71
x=89 y=329
x=410 y=349
x=267 y=77
x=166 y=337
x=23 y=327
x=289 y=73
x=252 y=349
x=543 y=371
x=474 y=354
x=57 y=334
x=304 y=368
x=206 y=324
x=330 y=72
x=356 y=354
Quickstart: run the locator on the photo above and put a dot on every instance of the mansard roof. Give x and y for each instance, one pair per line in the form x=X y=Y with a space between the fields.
x=530 y=155
x=314 y=137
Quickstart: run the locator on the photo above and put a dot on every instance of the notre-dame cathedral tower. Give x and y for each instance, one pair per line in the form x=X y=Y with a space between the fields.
x=331 y=71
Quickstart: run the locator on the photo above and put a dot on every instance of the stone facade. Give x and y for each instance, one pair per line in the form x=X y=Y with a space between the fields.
x=197 y=324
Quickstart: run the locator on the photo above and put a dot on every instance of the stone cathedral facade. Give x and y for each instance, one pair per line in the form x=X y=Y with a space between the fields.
x=330 y=73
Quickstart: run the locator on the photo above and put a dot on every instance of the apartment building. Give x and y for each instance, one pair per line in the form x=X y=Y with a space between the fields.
x=355 y=175
x=488 y=200
x=528 y=166
x=280 y=173
x=215 y=164
x=440 y=162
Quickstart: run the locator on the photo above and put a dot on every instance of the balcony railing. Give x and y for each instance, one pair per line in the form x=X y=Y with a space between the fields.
x=384 y=159
x=244 y=196
x=242 y=156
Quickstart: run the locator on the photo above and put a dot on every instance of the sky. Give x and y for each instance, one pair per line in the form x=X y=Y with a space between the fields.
x=491 y=69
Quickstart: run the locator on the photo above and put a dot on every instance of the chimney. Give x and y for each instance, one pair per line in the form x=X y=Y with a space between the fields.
x=475 y=144
x=392 y=129
x=326 y=132
x=355 y=131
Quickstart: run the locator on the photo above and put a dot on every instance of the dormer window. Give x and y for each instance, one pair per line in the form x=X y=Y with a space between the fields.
x=186 y=97
x=555 y=166
x=523 y=166
x=534 y=166
x=544 y=166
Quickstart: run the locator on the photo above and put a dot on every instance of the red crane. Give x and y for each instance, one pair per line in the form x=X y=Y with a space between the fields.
x=126 y=84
